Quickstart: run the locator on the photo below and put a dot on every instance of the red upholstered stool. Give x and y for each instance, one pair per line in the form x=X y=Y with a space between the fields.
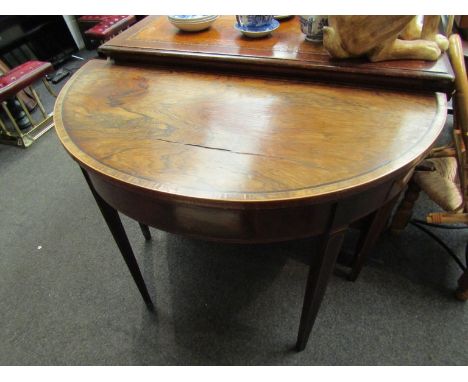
x=17 y=79
x=109 y=26
x=87 y=22
x=91 y=18
x=22 y=76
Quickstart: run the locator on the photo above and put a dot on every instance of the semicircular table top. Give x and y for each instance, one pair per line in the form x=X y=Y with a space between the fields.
x=233 y=138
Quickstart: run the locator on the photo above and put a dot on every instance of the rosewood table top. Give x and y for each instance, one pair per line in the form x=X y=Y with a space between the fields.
x=236 y=139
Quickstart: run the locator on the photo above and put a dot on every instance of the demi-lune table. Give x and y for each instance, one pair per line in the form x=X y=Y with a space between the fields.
x=242 y=158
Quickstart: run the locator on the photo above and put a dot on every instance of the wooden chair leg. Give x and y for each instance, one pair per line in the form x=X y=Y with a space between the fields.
x=405 y=209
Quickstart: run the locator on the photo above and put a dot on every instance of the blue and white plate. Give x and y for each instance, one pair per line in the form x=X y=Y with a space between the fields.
x=257 y=32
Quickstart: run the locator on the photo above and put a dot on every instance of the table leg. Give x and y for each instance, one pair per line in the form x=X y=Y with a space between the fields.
x=369 y=237
x=145 y=230
x=405 y=210
x=319 y=274
x=462 y=290
x=111 y=216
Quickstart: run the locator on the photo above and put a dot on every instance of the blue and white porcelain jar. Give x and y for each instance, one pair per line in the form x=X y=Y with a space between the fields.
x=312 y=26
x=253 y=21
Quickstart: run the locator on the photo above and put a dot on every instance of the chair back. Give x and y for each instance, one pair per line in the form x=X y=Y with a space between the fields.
x=460 y=112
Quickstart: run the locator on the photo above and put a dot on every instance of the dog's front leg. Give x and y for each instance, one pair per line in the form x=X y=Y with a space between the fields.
x=430 y=32
x=402 y=49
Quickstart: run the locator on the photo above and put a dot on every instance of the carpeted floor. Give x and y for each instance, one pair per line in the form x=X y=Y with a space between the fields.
x=66 y=297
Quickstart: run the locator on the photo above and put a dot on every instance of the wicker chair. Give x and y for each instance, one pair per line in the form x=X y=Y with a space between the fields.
x=443 y=175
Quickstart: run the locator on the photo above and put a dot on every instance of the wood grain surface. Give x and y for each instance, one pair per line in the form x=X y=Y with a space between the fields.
x=155 y=39
x=231 y=139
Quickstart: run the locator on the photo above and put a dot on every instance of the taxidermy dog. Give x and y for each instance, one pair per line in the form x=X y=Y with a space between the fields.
x=382 y=38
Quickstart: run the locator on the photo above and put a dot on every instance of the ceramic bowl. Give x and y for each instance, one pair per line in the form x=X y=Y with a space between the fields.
x=253 y=21
x=190 y=18
x=192 y=23
x=258 y=32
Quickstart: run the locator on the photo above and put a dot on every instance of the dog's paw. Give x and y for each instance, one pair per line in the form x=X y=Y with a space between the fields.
x=442 y=42
x=430 y=51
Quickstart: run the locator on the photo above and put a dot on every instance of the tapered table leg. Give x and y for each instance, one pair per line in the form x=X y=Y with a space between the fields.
x=319 y=274
x=145 y=230
x=112 y=218
x=405 y=210
x=369 y=237
x=462 y=290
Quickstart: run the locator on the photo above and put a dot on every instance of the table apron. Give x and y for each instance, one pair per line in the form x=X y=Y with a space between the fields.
x=240 y=224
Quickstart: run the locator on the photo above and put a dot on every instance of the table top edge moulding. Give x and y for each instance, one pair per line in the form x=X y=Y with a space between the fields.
x=286 y=52
x=129 y=109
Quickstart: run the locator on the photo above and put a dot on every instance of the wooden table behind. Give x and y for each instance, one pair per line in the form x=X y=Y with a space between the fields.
x=285 y=52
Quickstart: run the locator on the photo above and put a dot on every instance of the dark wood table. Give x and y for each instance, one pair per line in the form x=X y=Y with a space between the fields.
x=284 y=53
x=239 y=157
